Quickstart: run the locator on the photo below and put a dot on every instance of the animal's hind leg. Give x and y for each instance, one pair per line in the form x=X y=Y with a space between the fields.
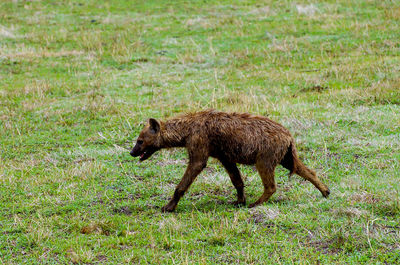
x=236 y=179
x=268 y=179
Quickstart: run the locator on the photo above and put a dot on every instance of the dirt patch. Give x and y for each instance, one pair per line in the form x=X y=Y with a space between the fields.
x=349 y=212
x=364 y=197
x=263 y=214
x=95 y=229
x=316 y=88
x=325 y=247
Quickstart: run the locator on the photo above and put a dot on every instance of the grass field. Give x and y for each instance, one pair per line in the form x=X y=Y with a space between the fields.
x=78 y=80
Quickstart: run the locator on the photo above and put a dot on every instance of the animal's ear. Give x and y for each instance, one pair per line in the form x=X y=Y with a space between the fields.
x=154 y=125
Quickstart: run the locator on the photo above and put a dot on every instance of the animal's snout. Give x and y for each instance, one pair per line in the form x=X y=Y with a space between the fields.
x=135 y=152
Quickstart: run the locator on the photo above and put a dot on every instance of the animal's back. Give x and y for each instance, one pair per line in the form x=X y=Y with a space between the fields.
x=240 y=137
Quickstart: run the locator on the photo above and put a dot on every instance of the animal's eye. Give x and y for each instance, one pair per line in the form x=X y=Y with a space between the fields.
x=139 y=142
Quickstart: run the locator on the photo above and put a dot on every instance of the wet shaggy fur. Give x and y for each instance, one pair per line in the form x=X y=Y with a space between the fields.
x=232 y=138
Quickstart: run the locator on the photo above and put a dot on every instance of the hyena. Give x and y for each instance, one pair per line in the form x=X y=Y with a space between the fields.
x=232 y=138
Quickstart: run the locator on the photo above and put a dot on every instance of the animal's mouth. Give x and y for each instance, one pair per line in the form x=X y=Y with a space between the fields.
x=146 y=154
x=143 y=156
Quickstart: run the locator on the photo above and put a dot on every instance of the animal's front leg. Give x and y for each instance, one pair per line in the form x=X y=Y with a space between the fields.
x=193 y=169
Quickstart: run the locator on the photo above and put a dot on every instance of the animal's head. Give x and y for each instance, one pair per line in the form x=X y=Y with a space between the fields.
x=148 y=141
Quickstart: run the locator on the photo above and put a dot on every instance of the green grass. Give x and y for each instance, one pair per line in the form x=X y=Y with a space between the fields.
x=78 y=79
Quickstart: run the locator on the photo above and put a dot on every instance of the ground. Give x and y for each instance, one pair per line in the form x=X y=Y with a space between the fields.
x=78 y=79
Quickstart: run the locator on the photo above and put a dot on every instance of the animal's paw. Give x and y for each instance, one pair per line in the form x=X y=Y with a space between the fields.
x=168 y=208
x=326 y=193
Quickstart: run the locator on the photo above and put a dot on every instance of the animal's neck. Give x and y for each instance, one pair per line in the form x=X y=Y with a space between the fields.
x=174 y=133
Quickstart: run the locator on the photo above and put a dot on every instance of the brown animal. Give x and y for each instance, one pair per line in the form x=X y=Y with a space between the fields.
x=231 y=138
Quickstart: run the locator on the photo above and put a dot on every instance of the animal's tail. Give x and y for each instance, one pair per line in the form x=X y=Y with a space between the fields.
x=292 y=162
